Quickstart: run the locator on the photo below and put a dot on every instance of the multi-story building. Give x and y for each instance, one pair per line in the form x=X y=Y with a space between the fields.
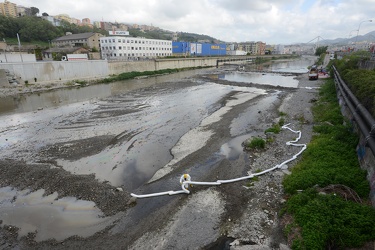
x=23 y=11
x=8 y=9
x=86 y=21
x=134 y=48
x=89 y=39
x=106 y=25
x=261 y=48
x=198 y=49
x=96 y=24
x=251 y=48
x=52 y=20
x=64 y=17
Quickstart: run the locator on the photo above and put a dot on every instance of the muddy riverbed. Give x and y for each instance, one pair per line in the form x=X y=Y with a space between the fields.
x=68 y=168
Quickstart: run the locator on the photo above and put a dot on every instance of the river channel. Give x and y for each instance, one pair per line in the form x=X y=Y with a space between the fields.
x=129 y=134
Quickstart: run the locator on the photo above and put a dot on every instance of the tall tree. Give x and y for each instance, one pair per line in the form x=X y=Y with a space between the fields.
x=34 y=11
x=321 y=50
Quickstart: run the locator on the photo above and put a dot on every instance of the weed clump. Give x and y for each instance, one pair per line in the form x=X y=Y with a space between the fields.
x=256 y=143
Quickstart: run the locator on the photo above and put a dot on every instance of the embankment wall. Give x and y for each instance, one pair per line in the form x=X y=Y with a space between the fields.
x=56 y=71
x=44 y=72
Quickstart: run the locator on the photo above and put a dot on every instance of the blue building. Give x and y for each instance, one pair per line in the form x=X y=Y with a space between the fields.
x=198 y=49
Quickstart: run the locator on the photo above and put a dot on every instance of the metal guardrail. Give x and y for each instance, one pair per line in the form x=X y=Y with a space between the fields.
x=364 y=119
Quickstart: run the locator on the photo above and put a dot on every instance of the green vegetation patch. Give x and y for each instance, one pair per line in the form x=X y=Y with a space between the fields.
x=276 y=128
x=134 y=74
x=256 y=143
x=329 y=221
x=361 y=82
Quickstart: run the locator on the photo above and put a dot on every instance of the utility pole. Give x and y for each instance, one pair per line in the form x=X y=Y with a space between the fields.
x=19 y=46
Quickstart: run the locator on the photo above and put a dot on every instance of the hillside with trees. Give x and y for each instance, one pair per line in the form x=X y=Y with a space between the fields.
x=35 y=30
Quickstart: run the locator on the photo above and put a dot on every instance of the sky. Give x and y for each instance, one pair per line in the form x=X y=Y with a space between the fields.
x=269 y=21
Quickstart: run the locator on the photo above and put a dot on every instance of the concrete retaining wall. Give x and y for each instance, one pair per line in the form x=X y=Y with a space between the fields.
x=116 y=68
x=365 y=155
x=56 y=70
x=12 y=58
x=369 y=65
x=3 y=79
x=44 y=72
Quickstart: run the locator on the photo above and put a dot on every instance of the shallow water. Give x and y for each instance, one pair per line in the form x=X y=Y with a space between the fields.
x=48 y=216
x=262 y=78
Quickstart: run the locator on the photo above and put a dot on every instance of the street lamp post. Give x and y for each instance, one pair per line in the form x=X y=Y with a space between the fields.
x=356 y=38
x=350 y=33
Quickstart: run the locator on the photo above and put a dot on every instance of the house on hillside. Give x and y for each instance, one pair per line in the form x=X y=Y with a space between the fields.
x=90 y=40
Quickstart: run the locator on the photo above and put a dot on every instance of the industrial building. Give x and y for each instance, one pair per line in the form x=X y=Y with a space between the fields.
x=89 y=39
x=198 y=49
x=134 y=48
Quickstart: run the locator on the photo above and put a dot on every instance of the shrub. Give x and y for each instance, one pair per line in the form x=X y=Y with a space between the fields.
x=329 y=222
x=256 y=142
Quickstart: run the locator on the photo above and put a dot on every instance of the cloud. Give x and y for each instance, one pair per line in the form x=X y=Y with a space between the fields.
x=271 y=21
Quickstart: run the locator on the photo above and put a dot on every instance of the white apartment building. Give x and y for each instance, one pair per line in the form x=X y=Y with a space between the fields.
x=133 y=48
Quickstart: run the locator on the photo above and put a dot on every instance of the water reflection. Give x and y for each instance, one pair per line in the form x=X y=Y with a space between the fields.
x=49 y=217
x=259 y=78
x=64 y=96
x=293 y=66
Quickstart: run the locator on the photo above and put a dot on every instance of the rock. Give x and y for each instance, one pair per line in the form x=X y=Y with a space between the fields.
x=132 y=201
x=284 y=166
x=287 y=172
x=283 y=247
x=235 y=243
x=119 y=189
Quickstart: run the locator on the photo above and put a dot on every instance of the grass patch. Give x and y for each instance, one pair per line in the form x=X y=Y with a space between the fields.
x=134 y=74
x=256 y=143
x=329 y=221
x=276 y=128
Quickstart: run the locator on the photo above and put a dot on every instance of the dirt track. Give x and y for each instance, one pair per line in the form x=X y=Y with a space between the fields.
x=246 y=212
